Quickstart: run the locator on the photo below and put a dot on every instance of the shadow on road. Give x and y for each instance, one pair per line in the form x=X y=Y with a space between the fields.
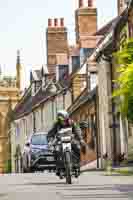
x=46 y=183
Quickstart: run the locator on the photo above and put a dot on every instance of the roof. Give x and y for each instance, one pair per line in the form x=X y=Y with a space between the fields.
x=26 y=106
x=108 y=39
x=82 y=99
x=105 y=28
x=103 y=31
x=28 y=102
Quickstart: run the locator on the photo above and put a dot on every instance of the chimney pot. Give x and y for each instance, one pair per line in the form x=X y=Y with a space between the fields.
x=55 y=22
x=90 y=4
x=62 y=22
x=49 y=22
x=80 y=3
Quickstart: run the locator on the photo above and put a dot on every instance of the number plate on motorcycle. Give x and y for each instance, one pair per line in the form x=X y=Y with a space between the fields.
x=50 y=158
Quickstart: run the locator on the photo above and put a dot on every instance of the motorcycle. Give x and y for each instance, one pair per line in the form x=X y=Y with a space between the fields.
x=66 y=159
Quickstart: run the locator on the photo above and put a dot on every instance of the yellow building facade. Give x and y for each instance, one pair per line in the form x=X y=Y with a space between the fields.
x=9 y=96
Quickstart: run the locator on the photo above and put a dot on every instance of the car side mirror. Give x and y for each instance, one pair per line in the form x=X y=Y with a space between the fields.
x=27 y=144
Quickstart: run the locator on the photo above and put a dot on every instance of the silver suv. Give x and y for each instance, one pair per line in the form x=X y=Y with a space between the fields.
x=36 y=155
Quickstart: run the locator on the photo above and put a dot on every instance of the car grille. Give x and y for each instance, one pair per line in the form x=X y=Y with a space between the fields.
x=46 y=159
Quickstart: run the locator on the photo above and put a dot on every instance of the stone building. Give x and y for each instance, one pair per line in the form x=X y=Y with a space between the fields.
x=73 y=73
x=113 y=128
x=9 y=96
x=36 y=111
x=84 y=108
x=99 y=67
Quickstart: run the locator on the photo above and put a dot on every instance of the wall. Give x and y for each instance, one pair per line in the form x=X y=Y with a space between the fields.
x=44 y=117
x=86 y=112
x=104 y=93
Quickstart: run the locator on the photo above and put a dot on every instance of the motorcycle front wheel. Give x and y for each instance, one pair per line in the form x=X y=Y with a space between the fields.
x=68 y=167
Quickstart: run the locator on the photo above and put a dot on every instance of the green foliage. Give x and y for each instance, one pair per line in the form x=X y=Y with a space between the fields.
x=124 y=81
x=8 y=166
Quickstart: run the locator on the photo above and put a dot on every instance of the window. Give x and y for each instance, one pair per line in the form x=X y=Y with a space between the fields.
x=39 y=140
x=63 y=71
x=85 y=52
x=75 y=62
x=93 y=80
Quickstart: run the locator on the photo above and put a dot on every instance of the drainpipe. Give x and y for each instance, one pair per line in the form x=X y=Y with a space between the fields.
x=64 y=102
x=96 y=128
x=114 y=119
x=34 y=122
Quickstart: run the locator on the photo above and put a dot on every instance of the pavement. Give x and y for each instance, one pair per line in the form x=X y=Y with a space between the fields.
x=90 y=166
x=44 y=186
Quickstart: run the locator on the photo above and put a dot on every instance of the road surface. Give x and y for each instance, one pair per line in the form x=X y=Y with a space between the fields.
x=44 y=186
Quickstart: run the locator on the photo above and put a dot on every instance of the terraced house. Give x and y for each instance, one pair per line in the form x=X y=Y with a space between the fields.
x=77 y=78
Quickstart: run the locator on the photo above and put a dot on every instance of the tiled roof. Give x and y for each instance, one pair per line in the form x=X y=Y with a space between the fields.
x=29 y=102
x=103 y=31
x=105 y=28
x=108 y=39
x=83 y=98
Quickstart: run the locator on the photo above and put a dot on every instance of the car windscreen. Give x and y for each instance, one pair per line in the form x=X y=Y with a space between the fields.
x=39 y=140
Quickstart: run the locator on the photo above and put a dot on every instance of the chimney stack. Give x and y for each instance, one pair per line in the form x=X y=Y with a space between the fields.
x=49 y=22
x=62 y=22
x=55 y=22
x=86 y=23
x=80 y=3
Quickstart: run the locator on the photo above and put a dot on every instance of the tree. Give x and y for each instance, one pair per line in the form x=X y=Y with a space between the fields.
x=124 y=81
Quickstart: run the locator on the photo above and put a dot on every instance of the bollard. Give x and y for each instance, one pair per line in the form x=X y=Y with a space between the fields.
x=108 y=168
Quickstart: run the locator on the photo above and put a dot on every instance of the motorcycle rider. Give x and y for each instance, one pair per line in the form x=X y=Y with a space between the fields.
x=64 y=121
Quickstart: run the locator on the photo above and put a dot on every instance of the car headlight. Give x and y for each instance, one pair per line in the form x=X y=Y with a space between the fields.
x=34 y=151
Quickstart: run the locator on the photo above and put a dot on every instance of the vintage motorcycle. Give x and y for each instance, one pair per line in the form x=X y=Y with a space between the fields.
x=67 y=165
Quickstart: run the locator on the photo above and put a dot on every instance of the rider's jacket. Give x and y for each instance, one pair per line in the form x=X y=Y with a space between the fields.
x=68 y=123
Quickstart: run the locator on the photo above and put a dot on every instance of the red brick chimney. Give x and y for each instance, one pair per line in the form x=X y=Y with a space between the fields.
x=49 y=22
x=55 y=22
x=62 y=22
x=81 y=3
x=57 y=43
x=86 y=22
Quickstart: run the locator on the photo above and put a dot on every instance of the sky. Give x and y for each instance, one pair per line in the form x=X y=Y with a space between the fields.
x=23 y=24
